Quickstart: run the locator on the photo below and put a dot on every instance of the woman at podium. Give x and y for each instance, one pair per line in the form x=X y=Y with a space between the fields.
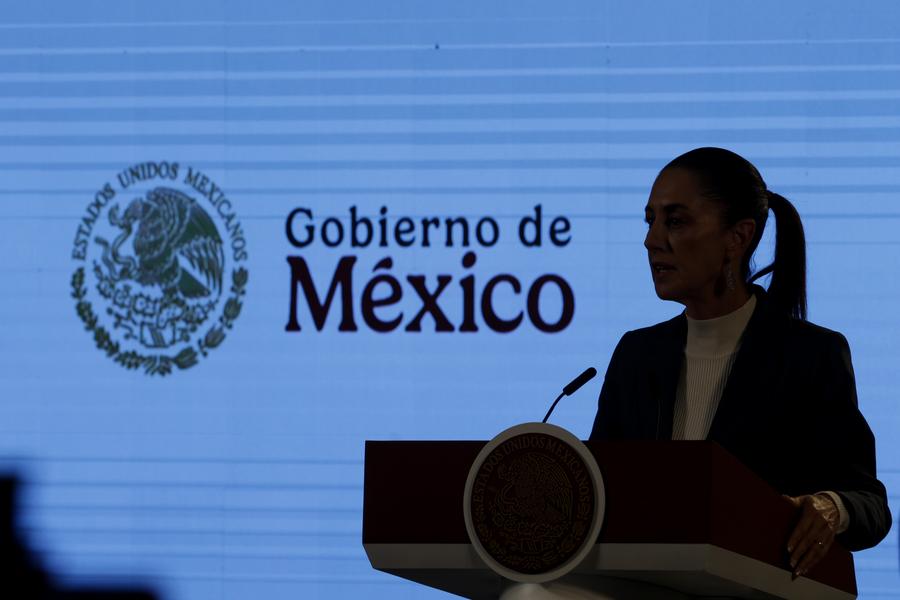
x=741 y=365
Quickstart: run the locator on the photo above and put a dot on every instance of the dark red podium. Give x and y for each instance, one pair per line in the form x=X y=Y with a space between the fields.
x=684 y=516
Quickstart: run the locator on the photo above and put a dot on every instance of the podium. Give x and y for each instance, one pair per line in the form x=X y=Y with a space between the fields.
x=683 y=519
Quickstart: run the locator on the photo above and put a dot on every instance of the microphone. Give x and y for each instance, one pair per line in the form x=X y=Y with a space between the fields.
x=573 y=387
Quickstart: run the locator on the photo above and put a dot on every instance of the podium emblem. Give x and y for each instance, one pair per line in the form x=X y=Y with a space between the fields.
x=534 y=503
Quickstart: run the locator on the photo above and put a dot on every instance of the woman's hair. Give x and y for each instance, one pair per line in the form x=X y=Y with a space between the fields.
x=736 y=185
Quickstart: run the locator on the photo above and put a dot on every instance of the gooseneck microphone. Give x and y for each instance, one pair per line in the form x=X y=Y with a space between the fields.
x=573 y=386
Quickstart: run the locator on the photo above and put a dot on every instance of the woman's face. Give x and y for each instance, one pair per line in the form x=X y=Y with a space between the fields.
x=686 y=242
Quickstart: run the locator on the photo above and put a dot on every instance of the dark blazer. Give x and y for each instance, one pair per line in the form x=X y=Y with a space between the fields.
x=789 y=409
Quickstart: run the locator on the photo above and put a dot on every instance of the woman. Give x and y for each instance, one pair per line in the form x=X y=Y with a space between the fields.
x=741 y=365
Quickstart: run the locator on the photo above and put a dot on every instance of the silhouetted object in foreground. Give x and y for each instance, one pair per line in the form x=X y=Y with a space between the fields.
x=21 y=575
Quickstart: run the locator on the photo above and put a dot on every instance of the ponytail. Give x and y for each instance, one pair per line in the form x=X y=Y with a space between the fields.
x=787 y=288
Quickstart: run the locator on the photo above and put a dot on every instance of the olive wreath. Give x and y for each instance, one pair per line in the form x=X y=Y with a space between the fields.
x=160 y=364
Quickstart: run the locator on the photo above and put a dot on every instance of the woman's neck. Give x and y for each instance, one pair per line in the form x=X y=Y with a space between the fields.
x=711 y=338
x=713 y=307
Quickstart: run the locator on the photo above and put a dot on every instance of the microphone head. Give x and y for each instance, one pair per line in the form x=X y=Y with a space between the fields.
x=579 y=381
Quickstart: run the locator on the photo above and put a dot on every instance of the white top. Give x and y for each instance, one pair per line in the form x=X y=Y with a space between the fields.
x=709 y=353
x=712 y=345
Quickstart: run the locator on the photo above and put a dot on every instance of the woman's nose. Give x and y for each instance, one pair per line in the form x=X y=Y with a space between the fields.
x=655 y=238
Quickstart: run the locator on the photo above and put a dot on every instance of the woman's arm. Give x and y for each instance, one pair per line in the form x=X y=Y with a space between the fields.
x=838 y=449
x=848 y=447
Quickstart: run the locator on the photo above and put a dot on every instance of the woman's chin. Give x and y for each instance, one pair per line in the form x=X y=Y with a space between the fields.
x=666 y=291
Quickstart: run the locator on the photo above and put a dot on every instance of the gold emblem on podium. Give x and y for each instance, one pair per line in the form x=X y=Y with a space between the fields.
x=534 y=503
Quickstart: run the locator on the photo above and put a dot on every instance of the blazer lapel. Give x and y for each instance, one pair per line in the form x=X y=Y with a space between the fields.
x=665 y=380
x=749 y=372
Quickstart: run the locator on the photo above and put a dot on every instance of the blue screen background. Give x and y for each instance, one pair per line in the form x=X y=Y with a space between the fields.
x=242 y=476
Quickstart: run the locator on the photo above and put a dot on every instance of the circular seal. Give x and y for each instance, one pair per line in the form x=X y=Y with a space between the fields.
x=160 y=275
x=534 y=503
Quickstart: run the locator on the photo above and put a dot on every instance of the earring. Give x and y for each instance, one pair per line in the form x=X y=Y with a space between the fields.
x=729 y=277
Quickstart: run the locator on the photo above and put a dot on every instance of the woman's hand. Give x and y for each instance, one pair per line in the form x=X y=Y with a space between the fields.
x=814 y=533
